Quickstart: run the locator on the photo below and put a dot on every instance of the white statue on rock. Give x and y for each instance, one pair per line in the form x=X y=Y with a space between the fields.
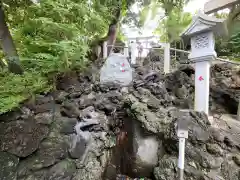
x=116 y=69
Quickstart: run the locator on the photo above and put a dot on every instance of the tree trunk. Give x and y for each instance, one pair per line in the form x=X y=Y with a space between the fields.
x=112 y=36
x=112 y=30
x=8 y=46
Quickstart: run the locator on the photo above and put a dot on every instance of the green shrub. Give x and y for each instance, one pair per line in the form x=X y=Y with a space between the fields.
x=51 y=38
x=16 y=88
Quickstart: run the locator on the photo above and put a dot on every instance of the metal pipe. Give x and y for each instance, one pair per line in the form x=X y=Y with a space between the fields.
x=117 y=46
x=143 y=47
x=228 y=61
x=146 y=37
x=179 y=50
x=219 y=59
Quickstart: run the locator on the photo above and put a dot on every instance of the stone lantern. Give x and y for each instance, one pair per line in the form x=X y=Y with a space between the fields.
x=201 y=35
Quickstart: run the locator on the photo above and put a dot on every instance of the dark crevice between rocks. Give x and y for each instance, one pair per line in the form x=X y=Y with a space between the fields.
x=226 y=101
x=120 y=160
x=123 y=154
x=170 y=145
x=230 y=104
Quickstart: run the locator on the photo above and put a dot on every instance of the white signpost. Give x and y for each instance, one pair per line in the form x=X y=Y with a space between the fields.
x=182 y=133
x=201 y=34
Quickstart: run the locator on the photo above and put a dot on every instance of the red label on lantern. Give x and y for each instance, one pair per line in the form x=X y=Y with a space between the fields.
x=200 y=78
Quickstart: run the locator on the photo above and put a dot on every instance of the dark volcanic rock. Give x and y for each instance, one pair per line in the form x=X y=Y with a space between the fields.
x=67 y=125
x=236 y=159
x=21 y=138
x=50 y=152
x=225 y=87
x=8 y=164
x=87 y=100
x=11 y=116
x=62 y=170
x=177 y=80
x=60 y=96
x=70 y=109
x=199 y=157
x=71 y=134
x=44 y=118
x=108 y=102
x=78 y=146
x=214 y=149
x=44 y=108
x=68 y=83
x=40 y=104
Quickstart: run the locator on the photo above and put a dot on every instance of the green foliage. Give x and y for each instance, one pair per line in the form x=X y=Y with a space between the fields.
x=170 y=28
x=16 y=88
x=229 y=46
x=149 y=11
x=51 y=37
x=174 y=20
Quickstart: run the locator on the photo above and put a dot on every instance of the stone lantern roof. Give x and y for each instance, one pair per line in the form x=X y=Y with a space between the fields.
x=204 y=23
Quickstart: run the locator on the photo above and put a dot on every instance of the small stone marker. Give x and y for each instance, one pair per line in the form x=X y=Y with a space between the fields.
x=117 y=70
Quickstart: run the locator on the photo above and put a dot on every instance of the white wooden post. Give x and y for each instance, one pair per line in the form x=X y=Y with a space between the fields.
x=167 y=58
x=133 y=52
x=105 y=49
x=201 y=32
x=182 y=133
x=126 y=51
x=202 y=78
